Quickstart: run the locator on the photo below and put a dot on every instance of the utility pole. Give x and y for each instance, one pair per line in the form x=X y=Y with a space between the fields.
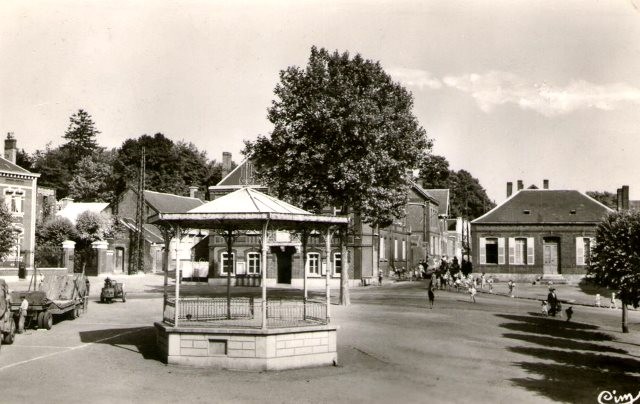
x=138 y=246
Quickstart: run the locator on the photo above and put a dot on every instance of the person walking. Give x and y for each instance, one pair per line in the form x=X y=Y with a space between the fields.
x=432 y=296
x=380 y=277
x=613 y=304
x=24 y=306
x=472 y=292
x=511 y=286
x=569 y=312
x=598 y=301
x=552 y=300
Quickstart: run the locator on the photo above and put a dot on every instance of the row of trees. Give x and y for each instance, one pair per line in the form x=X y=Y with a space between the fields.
x=84 y=170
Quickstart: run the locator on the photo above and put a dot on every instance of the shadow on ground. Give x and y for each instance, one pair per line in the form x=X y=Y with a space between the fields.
x=142 y=338
x=571 y=362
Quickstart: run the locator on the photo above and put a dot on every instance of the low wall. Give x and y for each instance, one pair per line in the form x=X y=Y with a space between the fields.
x=529 y=278
x=248 y=349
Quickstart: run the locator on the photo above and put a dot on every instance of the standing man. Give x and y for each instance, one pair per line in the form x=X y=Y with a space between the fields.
x=24 y=306
x=380 y=277
x=432 y=296
x=552 y=300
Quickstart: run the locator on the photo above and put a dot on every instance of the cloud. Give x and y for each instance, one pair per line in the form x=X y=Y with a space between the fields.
x=415 y=78
x=498 y=88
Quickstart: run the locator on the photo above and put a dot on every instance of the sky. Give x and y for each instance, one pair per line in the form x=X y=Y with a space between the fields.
x=508 y=90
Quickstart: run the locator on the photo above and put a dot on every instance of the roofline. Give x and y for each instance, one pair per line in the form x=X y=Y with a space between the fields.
x=496 y=207
x=232 y=171
x=423 y=192
x=598 y=202
x=534 y=223
x=266 y=216
x=540 y=190
x=17 y=174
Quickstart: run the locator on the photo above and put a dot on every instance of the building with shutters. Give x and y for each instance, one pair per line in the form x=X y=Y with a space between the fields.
x=537 y=233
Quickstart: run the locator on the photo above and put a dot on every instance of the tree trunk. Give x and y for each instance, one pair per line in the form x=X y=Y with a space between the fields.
x=345 y=300
x=625 y=318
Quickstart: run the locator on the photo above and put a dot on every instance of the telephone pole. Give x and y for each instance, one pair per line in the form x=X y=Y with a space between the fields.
x=138 y=245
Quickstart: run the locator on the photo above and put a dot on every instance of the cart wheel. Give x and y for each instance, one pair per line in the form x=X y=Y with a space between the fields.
x=47 y=321
x=10 y=336
x=124 y=297
x=40 y=319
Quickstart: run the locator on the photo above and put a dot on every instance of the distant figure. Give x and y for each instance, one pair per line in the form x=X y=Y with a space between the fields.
x=511 y=286
x=432 y=296
x=569 y=312
x=380 y=277
x=613 y=304
x=24 y=306
x=483 y=281
x=598 y=301
x=544 y=308
x=472 y=292
x=455 y=266
x=490 y=283
x=552 y=299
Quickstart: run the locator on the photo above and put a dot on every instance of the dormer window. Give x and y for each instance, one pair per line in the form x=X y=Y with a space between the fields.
x=526 y=212
x=572 y=211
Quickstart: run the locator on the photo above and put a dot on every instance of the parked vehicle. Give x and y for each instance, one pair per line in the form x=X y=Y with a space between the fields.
x=112 y=290
x=7 y=323
x=57 y=295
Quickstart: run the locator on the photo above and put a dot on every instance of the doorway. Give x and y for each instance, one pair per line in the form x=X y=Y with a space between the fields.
x=551 y=260
x=284 y=258
x=119 y=268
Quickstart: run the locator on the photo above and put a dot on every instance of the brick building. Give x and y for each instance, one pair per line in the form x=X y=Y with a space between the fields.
x=18 y=188
x=537 y=233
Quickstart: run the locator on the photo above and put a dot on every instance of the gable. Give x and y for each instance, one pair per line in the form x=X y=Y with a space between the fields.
x=242 y=175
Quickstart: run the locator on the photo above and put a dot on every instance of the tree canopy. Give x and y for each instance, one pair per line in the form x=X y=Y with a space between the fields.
x=605 y=197
x=468 y=198
x=615 y=258
x=80 y=136
x=344 y=135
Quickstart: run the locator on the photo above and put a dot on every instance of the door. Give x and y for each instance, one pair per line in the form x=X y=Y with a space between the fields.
x=551 y=263
x=119 y=260
x=284 y=258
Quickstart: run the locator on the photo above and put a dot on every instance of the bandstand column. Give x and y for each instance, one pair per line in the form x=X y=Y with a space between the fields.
x=327 y=246
x=177 y=305
x=263 y=274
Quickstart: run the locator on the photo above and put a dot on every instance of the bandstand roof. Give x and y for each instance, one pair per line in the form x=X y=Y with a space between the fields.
x=248 y=209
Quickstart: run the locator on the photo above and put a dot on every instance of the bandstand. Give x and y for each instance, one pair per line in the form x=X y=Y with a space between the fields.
x=247 y=332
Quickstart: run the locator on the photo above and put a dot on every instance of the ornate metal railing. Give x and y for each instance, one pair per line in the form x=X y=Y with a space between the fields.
x=245 y=312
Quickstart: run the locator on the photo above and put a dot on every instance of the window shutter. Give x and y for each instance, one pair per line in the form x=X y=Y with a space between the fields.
x=483 y=250
x=501 y=251
x=579 y=251
x=530 y=251
x=512 y=250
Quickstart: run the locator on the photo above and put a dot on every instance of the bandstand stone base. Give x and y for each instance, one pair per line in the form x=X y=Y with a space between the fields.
x=248 y=349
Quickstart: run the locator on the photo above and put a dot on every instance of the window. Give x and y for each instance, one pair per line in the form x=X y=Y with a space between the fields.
x=253 y=263
x=404 y=249
x=225 y=264
x=583 y=250
x=382 y=254
x=313 y=263
x=395 y=249
x=492 y=250
x=13 y=199
x=337 y=263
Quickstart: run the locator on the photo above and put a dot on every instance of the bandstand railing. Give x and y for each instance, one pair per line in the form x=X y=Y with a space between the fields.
x=245 y=312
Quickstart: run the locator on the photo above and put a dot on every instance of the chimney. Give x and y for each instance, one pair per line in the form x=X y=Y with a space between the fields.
x=545 y=184
x=619 y=199
x=192 y=191
x=226 y=163
x=520 y=185
x=509 y=189
x=625 y=197
x=10 y=149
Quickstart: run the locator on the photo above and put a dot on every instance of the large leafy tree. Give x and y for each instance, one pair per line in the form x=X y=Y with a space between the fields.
x=93 y=180
x=468 y=198
x=615 y=258
x=49 y=237
x=90 y=227
x=53 y=171
x=344 y=135
x=170 y=167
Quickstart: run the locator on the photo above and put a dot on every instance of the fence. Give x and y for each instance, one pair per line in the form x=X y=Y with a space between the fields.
x=245 y=312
